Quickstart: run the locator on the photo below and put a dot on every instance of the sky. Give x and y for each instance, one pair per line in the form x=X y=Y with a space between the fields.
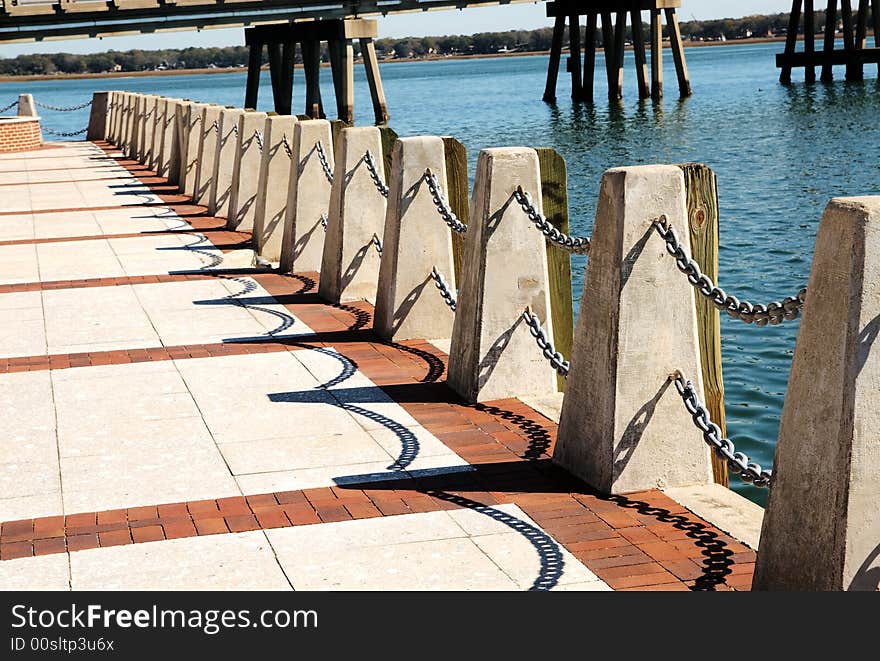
x=468 y=21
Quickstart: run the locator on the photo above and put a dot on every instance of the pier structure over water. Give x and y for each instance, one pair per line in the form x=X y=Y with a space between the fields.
x=855 y=54
x=614 y=15
x=369 y=357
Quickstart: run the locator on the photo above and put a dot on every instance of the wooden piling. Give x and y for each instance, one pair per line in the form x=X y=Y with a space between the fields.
x=640 y=55
x=554 y=194
x=656 y=55
x=457 y=194
x=555 y=57
x=616 y=92
x=608 y=48
x=701 y=188
x=791 y=39
x=809 y=39
x=854 y=70
x=374 y=80
x=574 y=59
x=311 y=55
x=252 y=89
x=830 y=28
x=590 y=57
x=875 y=21
x=676 y=45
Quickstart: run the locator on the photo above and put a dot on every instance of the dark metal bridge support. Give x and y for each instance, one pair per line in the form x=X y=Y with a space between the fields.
x=340 y=36
x=614 y=15
x=855 y=53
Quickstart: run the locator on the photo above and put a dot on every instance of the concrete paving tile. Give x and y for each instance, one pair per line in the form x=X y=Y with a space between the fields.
x=18 y=227
x=47 y=572
x=242 y=561
x=322 y=476
x=24 y=403
x=28 y=507
x=18 y=263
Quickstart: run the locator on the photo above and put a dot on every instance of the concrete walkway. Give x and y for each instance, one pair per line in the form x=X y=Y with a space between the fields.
x=178 y=420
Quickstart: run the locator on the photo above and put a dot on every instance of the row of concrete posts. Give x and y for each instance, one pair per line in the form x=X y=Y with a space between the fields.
x=623 y=426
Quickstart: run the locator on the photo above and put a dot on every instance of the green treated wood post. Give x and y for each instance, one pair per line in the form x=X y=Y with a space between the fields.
x=554 y=194
x=457 y=194
x=389 y=137
x=701 y=186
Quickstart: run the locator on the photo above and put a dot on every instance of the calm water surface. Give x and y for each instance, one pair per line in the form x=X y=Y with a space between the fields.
x=780 y=154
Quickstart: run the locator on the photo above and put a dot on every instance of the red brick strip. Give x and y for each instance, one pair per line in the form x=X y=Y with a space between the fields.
x=88 y=283
x=221 y=239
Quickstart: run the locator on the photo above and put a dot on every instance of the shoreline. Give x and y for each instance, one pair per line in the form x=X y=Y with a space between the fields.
x=438 y=58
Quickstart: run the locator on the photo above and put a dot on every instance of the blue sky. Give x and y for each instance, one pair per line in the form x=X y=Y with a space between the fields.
x=467 y=21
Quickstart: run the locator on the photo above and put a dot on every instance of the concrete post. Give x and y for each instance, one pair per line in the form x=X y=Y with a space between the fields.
x=350 y=263
x=623 y=426
x=408 y=305
x=274 y=180
x=137 y=118
x=26 y=106
x=246 y=174
x=822 y=525
x=302 y=246
x=154 y=146
x=209 y=133
x=504 y=271
x=145 y=139
x=124 y=118
x=117 y=116
x=112 y=116
x=169 y=153
x=228 y=147
x=98 y=116
x=184 y=130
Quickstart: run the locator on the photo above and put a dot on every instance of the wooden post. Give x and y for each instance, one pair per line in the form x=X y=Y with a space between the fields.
x=555 y=57
x=875 y=21
x=288 y=51
x=574 y=59
x=809 y=38
x=374 y=80
x=656 y=54
x=701 y=187
x=252 y=89
x=346 y=102
x=457 y=194
x=854 y=70
x=830 y=28
x=862 y=25
x=639 y=51
x=388 y=136
x=616 y=92
x=677 y=46
x=590 y=57
x=554 y=192
x=311 y=55
x=608 y=47
x=791 y=39
x=275 y=74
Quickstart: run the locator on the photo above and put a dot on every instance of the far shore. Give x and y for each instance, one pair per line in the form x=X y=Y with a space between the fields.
x=435 y=58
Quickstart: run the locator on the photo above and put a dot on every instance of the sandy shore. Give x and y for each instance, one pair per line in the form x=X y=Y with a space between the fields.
x=190 y=72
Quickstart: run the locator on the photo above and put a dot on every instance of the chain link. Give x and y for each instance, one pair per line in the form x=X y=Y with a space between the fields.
x=579 y=245
x=235 y=129
x=442 y=205
x=773 y=313
x=259 y=138
x=557 y=360
x=63 y=108
x=724 y=448
x=443 y=287
x=63 y=134
x=373 y=169
x=325 y=165
x=377 y=243
x=286 y=145
x=215 y=127
x=5 y=108
x=324 y=221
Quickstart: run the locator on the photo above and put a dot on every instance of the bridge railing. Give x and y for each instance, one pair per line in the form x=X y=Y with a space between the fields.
x=632 y=413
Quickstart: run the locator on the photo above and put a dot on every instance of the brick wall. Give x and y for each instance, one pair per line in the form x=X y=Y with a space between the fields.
x=19 y=134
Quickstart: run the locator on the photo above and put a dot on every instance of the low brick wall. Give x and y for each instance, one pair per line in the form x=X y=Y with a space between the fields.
x=19 y=134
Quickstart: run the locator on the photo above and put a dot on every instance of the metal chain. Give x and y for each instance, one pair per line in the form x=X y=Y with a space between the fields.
x=286 y=146
x=235 y=129
x=724 y=448
x=374 y=174
x=773 y=313
x=63 y=134
x=557 y=360
x=377 y=243
x=63 y=108
x=324 y=221
x=259 y=138
x=445 y=292
x=325 y=165
x=579 y=245
x=215 y=127
x=195 y=121
x=447 y=214
x=5 y=108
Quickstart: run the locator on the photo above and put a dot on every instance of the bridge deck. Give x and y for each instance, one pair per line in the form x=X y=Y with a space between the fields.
x=176 y=421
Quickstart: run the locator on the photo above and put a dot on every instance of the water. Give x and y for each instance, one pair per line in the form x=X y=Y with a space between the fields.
x=780 y=154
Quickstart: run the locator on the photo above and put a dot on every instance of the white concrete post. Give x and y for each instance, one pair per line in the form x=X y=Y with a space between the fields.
x=98 y=116
x=504 y=271
x=229 y=144
x=302 y=246
x=125 y=122
x=117 y=113
x=350 y=263
x=408 y=305
x=145 y=148
x=169 y=152
x=246 y=173
x=822 y=525
x=135 y=130
x=623 y=426
x=274 y=181
x=185 y=115
x=209 y=133
x=157 y=122
x=26 y=106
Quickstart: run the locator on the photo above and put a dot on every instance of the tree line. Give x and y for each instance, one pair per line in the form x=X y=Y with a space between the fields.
x=484 y=43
